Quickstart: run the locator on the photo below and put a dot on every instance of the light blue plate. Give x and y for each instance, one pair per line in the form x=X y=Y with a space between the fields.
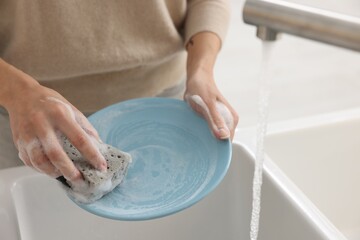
x=176 y=160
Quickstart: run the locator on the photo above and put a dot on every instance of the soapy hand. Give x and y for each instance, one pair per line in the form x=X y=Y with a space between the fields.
x=38 y=115
x=204 y=97
x=201 y=91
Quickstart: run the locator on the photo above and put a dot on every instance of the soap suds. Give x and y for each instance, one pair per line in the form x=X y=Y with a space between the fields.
x=26 y=148
x=79 y=118
x=22 y=152
x=226 y=114
x=67 y=106
x=220 y=107
x=95 y=183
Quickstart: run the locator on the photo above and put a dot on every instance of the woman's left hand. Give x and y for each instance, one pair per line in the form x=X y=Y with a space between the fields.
x=201 y=92
x=204 y=97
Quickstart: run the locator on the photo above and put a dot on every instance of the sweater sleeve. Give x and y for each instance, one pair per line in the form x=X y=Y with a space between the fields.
x=207 y=15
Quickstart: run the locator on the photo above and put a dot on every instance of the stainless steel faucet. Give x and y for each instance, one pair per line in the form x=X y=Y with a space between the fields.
x=275 y=16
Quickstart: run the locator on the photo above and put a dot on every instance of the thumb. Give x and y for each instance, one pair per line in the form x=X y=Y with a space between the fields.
x=220 y=127
x=216 y=122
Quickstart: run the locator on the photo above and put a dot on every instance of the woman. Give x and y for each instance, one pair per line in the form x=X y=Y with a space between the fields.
x=61 y=59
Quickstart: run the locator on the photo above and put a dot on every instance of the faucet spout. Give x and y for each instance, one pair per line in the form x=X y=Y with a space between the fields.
x=279 y=16
x=266 y=33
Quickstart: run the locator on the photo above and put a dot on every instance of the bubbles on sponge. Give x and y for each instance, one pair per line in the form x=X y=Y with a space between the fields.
x=95 y=184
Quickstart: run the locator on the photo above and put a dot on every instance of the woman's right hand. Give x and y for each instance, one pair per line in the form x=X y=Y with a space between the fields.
x=38 y=115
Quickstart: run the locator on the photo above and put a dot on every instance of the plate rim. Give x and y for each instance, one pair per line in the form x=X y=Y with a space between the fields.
x=170 y=211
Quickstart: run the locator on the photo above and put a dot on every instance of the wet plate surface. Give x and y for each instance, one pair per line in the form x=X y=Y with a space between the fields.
x=176 y=160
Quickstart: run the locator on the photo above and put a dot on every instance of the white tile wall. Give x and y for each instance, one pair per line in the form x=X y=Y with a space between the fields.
x=309 y=77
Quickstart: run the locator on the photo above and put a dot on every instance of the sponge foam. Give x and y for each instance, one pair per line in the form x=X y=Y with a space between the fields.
x=96 y=184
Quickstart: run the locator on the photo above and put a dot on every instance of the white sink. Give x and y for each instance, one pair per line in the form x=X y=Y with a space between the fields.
x=321 y=158
x=33 y=207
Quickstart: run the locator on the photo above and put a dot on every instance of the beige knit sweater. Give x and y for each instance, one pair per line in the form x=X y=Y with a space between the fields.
x=96 y=52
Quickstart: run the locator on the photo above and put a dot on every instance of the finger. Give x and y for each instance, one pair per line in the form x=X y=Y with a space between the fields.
x=221 y=130
x=209 y=112
x=21 y=146
x=24 y=157
x=229 y=117
x=59 y=159
x=56 y=155
x=225 y=114
x=41 y=162
x=84 y=143
x=82 y=121
x=234 y=115
x=86 y=125
x=231 y=109
x=198 y=105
